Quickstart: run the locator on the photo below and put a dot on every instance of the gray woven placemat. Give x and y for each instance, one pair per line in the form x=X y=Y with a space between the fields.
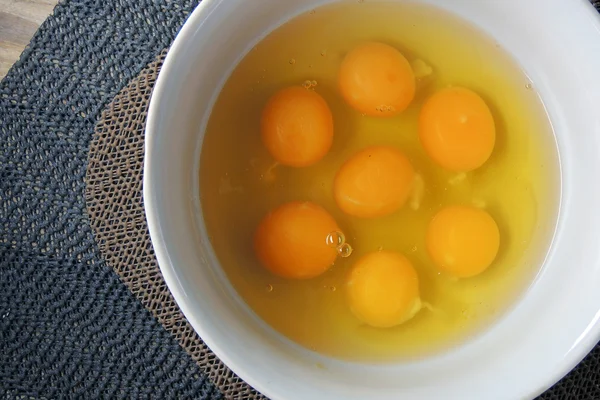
x=84 y=311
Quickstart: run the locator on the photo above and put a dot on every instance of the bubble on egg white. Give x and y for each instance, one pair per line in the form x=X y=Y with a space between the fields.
x=335 y=239
x=344 y=250
x=309 y=84
x=385 y=108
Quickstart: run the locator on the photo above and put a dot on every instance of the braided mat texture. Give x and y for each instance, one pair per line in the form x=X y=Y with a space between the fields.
x=116 y=211
x=84 y=311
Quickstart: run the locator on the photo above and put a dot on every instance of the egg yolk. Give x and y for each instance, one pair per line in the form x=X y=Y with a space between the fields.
x=377 y=80
x=291 y=240
x=383 y=289
x=374 y=182
x=297 y=126
x=456 y=129
x=462 y=241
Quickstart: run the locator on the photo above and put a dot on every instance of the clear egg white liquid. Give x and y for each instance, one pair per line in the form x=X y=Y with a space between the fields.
x=519 y=185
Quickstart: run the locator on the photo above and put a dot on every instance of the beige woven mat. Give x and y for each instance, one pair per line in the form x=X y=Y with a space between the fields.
x=115 y=206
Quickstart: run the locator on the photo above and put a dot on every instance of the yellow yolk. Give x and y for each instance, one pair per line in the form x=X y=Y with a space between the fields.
x=377 y=80
x=291 y=240
x=383 y=289
x=462 y=241
x=374 y=182
x=297 y=127
x=457 y=129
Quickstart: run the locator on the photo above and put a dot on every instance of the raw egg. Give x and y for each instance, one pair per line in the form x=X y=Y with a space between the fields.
x=374 y=182
x=456 y=129
x=383 y=289
x=377 y=80
x=291 y=240
x=462 y=241
x=297 y=126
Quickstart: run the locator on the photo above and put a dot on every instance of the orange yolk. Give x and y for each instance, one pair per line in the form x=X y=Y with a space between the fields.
x=297 y=127
x=377 y=80
x=291 y=240
x=374 y=182
x=457 y=129
x=462 y=241
x=383 y=289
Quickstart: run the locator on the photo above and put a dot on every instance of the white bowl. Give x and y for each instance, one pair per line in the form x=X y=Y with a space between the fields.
x=555 y=324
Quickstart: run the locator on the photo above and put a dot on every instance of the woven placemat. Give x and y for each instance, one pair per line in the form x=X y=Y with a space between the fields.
x=84 y=311
x=116 y=211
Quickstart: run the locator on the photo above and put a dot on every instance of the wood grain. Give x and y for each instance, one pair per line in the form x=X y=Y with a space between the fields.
x=19 y=20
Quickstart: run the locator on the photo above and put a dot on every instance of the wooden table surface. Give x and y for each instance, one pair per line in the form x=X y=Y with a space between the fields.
x=19 y=19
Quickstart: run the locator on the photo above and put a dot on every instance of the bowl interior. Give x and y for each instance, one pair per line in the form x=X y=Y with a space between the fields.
x=558 y=45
